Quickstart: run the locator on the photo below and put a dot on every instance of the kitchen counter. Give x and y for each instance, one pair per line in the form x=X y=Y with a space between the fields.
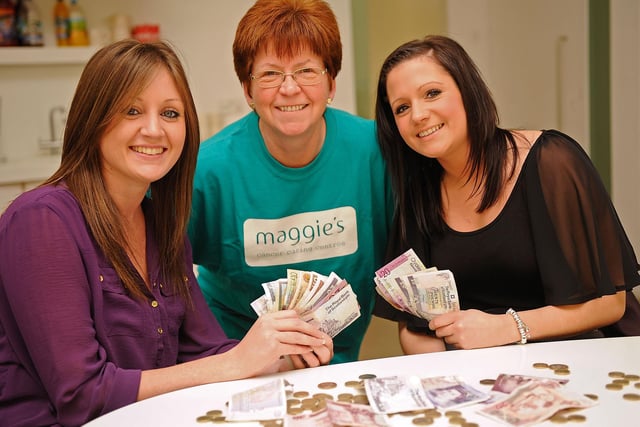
x=35 y=169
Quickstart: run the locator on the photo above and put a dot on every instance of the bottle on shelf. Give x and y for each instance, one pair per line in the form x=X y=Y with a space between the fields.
x=61 y=22
x=78 y=35
x=28 y=23
x=8 y=23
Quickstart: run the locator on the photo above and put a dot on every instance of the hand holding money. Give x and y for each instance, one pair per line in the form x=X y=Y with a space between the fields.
x=408 y=285
x=327 y=302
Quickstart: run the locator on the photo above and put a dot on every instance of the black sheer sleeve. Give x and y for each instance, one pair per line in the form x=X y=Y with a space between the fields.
x=581 y=247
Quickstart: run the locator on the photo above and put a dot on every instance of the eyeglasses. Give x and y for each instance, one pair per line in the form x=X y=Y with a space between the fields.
x=304 y=77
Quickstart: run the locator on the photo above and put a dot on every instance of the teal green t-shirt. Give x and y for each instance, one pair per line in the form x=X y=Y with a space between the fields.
x=254 y=218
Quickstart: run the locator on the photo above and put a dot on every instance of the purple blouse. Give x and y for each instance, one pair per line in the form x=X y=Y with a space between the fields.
x=72 y=343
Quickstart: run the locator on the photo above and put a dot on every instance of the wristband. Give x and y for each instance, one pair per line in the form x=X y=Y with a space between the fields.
x=522 y=327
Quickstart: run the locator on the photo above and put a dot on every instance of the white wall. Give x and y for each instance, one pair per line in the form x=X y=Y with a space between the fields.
x=534 y=56
x=202 y=30
x=625 y=114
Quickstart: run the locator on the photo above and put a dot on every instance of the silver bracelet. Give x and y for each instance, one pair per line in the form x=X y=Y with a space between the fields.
x=522 y=327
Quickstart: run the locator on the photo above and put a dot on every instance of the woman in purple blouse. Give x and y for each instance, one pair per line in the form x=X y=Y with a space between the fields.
x=99 y=306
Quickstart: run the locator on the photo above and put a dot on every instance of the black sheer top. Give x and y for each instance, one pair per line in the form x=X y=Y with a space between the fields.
x=557 y=241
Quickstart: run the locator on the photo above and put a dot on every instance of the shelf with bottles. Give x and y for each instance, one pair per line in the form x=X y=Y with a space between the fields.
x=45 y=55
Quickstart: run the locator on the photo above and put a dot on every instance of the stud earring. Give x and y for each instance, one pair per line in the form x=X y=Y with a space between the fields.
x=252 y=105
x=329 y=100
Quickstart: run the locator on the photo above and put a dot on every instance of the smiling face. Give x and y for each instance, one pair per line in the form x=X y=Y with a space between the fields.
x=428 y=109
x=144 y=141
x=289 y=110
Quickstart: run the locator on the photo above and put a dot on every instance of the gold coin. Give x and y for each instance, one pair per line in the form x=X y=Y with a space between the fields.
x=218 y=420
x=453 y=414
x=422 y=421
x=327 y=385
x=561 y=371
x=559 y=419
x=301 y=394
x=591 y=396
x=323 y=396
x=631 y=396
x=555 y=366
x=613 y=386
x=622 y=381
x=577 y=418
x=214 y=412
x=432 y=412
x=632 y=377
x=616 y=374
x=295 y=411
x=367 y=376
x=488 y=381
x=457 y=420
x=345 y=397
x=292 y=402
x=310 y=402
x=353 y=383
x=203 y=419
x=470 y=425
x=362 y=399
x=540 y=365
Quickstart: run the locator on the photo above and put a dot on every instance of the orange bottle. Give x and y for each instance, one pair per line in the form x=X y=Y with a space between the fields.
x=61 y=21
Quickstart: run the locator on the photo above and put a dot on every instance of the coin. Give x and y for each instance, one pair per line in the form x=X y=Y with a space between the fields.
x=622 y=381
x=631 y=396
x=591 y=396
x=353 y=383
x=214 y=412
x=452 y=413
x=632 y=377
x=540 y=365
x=559 y=419
x=367 y=376
x=616 y=374
x=577 y=418
x=637 y=385
x=293 y=402
x=457 y=420
x=470 y=425
x=422 y=421
x=301 y=394
x=488 y=381
x=327 y=385
x=203 y=419
x=556 y=366
x=345 y=397
x=309 y=403
x=218 y=420
x=295 y=411
x=361 y=399
x=323 y=396
x=561 y=371
x=432 y=412
x=613 y=386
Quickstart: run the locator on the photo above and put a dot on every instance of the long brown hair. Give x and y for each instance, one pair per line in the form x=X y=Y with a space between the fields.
x=114 y=76
x=287 y=26
x=415 y=178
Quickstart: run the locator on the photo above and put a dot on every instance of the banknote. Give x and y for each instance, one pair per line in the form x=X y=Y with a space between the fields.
x=265 y=402
x=396 y=394
x=534 y=402
x=328 y=302
x=506 y=383
x=448 y=392
x=408 y=285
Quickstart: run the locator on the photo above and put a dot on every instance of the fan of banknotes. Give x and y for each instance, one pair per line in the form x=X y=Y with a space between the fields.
x=327 y=302
x=408 y=285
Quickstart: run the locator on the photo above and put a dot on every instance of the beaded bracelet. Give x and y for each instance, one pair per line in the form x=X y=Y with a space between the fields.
x=522 y=327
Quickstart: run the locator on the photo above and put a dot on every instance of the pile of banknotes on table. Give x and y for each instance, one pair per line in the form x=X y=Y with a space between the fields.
x=327 y=302
x=408 y=285
x=517 y=400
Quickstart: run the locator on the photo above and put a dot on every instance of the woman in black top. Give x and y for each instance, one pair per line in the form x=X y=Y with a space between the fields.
x=521 y=218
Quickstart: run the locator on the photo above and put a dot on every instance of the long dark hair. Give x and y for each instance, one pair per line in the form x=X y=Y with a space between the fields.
x=416 y=179
x=114 y=76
